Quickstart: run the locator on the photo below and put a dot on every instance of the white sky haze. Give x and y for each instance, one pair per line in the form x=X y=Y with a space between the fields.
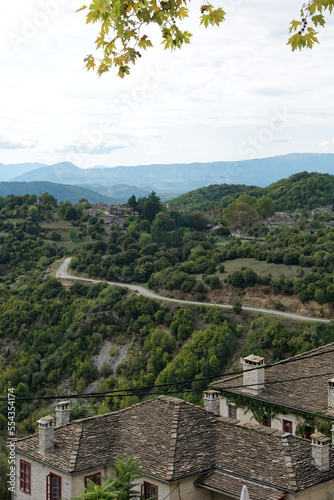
x=237 y=92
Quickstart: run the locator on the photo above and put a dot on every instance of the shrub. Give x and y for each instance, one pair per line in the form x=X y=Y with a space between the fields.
x=237 y=307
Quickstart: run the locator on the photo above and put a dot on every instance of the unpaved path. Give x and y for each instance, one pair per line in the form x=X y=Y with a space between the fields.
x=62 y=272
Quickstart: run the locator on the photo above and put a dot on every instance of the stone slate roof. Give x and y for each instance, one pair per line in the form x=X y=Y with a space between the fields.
x=165 y=433
x=268 y=456
x=175 y=439
x=309 y=394
x=232 y=485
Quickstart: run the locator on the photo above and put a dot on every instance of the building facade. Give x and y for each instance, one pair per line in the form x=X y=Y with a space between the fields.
x=295 y=395
x=186 y=452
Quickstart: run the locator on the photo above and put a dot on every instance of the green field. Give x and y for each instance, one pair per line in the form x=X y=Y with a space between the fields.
x=262 y=268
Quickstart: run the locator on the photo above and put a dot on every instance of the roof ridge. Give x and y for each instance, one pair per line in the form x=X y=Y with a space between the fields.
x=129 y=408
x=297 y=356
x=75 y=446
x=288 y=461
x=172 y=442
x=252 y=426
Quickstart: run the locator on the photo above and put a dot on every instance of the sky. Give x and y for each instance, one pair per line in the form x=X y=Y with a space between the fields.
x=236 y=92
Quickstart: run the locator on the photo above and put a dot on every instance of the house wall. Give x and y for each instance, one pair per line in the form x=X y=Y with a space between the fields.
x=72 y=484
x=187 y=491
x=163 y=488
x=78 y=480
x=39 y=472
x=276 y=423
x=324 y=491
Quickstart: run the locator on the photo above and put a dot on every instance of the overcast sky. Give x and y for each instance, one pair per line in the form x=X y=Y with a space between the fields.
x=237 y=92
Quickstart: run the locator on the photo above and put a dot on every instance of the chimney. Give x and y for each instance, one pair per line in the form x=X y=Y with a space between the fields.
x=212 y=401
x=320 y=451
x=46 y=434
x=331 y=395
x=255 y=377
x=62 y=413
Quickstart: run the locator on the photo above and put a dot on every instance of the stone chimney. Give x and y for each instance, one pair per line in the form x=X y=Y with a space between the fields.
x=320 y=451
x=331 y=395
x=62 y=413
x=212 y=401
x=46 y=434
x=255 y=377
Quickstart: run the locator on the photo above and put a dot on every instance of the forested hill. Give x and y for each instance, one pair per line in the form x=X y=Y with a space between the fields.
x=303 y=190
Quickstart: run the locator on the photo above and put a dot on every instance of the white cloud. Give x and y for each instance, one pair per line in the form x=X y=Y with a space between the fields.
x=154 y=152
x=208 y=97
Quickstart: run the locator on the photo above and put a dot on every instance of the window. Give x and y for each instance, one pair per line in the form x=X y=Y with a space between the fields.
x=53 y=487
x=232 y=411
x=96 y=478
x=287 y=426
x=25 y=476
x=149 y=490
x=266 y=421
x=308 y=431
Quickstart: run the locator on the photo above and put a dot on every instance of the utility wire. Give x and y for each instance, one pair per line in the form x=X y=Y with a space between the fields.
x=137 y=391
x=134 y=391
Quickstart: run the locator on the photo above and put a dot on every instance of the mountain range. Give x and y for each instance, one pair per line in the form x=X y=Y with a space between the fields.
x=168 y=181
x=61 y=192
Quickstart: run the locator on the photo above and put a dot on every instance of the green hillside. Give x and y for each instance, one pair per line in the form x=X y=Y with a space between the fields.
x=303 y=190
x=68 y=338
x=207 y=198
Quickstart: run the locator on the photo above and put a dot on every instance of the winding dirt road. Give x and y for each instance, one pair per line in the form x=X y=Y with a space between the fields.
x=62 y=272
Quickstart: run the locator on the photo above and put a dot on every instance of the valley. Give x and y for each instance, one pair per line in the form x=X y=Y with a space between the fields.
x=96 y=299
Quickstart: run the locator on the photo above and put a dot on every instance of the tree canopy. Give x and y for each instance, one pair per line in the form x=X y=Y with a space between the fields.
x=124 y=32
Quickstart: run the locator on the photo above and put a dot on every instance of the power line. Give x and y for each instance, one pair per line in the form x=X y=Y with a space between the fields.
x=295 y=379
x=135 y=390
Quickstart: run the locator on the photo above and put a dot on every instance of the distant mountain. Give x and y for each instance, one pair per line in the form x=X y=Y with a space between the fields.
x=122 y=192
x=8 y=172
x=61 y=192
x=63 y=173
x=181 y=178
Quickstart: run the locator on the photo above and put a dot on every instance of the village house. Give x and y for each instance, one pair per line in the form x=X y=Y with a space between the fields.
x=286 y=395
x=280 y=219
x=99 y=209
x=322 y=210
x=187 y=453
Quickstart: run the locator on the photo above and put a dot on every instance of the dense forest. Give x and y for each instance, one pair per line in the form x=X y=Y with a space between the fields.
x=300 y=191
x=52 y=333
